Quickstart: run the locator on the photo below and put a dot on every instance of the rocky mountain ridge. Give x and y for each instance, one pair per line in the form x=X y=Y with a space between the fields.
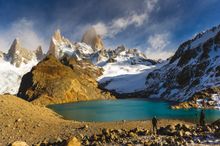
x=193 y=68
x=117 y=62
x=18 y=55
x=52 y=81
x=14 y=64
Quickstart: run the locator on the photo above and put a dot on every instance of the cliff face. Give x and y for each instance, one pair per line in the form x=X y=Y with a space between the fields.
x=194 y=68
x=53 y=82
x=91 y=38
x=56 y=43
x=18 y=55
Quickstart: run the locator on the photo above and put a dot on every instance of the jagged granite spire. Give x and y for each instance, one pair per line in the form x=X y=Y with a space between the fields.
x=53 y=50
x=15 y=47
x=57 y=43
x=90 y=37
x=18 y=55
x=57 y=35
x=39 y=53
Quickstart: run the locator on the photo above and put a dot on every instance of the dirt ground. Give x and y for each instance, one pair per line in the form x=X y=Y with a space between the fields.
x=23 y=121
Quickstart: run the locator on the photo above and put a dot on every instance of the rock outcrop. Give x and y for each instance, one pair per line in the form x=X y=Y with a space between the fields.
x=39 y=53
x=52 y=82
x=2 y=55
x=58 y=43
x=18 y=55
x=91 y=38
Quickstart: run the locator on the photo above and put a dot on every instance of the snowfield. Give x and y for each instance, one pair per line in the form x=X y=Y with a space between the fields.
x=129 y=70
x=123 y=77
x=10 y=76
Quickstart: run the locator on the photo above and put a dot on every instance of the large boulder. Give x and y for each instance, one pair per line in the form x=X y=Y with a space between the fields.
x=54 y=82
x=19 y=143
x=73 y=142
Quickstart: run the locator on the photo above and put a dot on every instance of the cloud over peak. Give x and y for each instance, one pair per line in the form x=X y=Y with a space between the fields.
x=156 y=46
x=24 y=30
x=119 y=24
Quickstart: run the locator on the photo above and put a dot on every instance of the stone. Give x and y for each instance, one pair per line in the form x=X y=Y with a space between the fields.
x=86 y=127
x=18 y=120
x=187 y=133
x=168 y=130
x=185 y=127
x=19 y=143
x=132 y=134
x=209 y=129
x=86 y=142
x=73 y=142
x=106 y=131
x=180 y=133
x=198 y=141
x=55 y=140
x=191 y=141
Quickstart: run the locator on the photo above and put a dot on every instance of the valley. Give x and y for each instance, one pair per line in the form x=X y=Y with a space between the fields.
x=84 y=83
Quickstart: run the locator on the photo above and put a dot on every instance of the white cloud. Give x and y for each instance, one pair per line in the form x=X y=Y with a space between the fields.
x=101 y=28
x=150 y=4
x=120 y=24
x=156 y=46
x=24 y=30
x=157 y=42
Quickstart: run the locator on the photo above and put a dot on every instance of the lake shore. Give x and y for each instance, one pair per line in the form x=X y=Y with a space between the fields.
x=23 y=121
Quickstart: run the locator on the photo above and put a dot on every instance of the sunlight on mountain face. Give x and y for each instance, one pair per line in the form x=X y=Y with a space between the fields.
x=155 y=63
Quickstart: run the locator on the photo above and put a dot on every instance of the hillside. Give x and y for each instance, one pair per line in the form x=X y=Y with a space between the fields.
x=51 y=82
x=193 y=71
x=21 y=120
x=122 y=67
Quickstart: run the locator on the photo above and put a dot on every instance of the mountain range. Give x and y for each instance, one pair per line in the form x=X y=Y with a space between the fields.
x=193 y=70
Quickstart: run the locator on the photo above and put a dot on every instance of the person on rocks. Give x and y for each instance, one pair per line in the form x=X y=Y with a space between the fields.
x=202 y=118
x=154 y=124
x=203 y=103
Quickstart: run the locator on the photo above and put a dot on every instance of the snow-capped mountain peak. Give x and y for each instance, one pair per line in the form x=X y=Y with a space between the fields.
x=196 y=41
x=15 y=64
x=193 y=68
x=18 y=55
x=91 y=38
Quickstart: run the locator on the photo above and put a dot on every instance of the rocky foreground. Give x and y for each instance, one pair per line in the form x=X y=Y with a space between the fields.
x=178 y=135
x=27 y=124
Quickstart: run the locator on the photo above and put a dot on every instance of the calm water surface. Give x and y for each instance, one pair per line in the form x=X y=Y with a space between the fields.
x=127 y=109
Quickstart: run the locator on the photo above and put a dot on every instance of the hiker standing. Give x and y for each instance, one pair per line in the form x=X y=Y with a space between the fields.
x=203 y=103
x=154 y=124
x=202 y=118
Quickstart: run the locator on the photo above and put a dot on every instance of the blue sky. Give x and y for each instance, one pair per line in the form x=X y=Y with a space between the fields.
x=156 y=27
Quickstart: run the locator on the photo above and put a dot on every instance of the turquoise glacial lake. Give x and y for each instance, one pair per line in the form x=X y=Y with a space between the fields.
x=128 y=109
